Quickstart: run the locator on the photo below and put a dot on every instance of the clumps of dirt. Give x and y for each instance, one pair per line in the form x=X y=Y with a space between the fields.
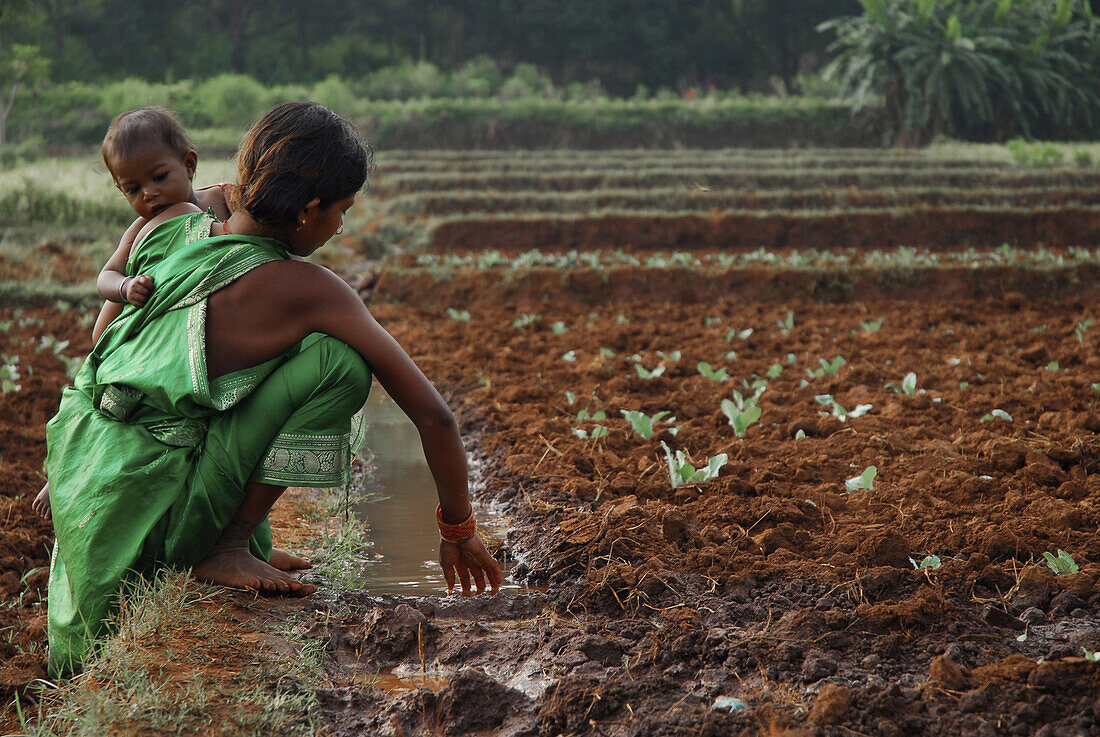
x=26 y=538
x=925 y=226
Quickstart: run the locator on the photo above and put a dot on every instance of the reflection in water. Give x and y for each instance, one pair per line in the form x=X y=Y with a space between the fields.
x=400 y=507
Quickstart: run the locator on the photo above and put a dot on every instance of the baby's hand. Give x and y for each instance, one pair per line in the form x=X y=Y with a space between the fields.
x=138 y=289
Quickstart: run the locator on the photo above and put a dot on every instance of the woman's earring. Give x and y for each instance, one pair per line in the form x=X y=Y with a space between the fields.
x=301 y=224
x=340 y=230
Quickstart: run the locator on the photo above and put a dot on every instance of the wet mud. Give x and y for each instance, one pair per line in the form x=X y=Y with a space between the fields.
x=772 y=599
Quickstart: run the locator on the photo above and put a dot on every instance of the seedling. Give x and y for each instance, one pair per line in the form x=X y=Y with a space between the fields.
x=559 y=328
x=681 y=472
x=708 y=321
x=871 y=326
x=999 y=414
x=865 y=480
x=524 y=321
x=929 y=562
x=831 y=367
x=48 y=341
x=571 y=398
x=5 y=326
x=741 y=402
x=787 y=324
x=622 y=319
x=597 y=416
x=1062 y=564
x=644 y=425
x=838 y=411
x=459 y=315
x=599 y=431
x=740 y=419
x=791 y=358
x=607 y=353
x=731 y=355
x=569 y=356
x=739 y=334
x=908 y=385
x=644 y=373
x=799 y=435
x=710 y=373
x=1079 y=331
x=775 y=371
x=1053 y=366
x=673 y=356
x=1090 y=655
x=9 y=373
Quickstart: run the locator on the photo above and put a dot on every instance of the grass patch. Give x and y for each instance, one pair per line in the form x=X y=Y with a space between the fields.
x=179 y=662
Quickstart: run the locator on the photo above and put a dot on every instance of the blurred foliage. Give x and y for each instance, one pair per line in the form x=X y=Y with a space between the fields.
x=976 y=69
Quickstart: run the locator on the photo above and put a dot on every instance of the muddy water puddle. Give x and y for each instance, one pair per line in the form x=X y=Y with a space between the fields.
x=400 y=507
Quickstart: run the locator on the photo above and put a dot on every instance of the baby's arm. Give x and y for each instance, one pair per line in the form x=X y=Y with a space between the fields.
x=113 y=284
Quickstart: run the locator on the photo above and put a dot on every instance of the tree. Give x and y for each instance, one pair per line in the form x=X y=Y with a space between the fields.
x=21 y=65
x=978 y=68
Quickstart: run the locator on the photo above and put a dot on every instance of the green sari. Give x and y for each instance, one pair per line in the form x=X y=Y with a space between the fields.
x=148 y=457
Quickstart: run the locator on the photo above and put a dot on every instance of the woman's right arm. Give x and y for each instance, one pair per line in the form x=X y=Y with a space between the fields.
x=278 y=304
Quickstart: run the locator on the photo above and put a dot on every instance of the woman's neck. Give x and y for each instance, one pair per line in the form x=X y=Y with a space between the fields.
x=241 y=223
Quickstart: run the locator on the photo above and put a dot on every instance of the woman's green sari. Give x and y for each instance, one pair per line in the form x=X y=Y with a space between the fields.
x=148 y=457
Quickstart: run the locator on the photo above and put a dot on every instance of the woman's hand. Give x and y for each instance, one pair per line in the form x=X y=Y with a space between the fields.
x=469 y=560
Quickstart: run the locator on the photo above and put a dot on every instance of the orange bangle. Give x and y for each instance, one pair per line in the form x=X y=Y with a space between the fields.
x=461 y=532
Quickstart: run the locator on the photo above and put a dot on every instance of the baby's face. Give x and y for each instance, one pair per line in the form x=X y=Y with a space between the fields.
x=154 y=177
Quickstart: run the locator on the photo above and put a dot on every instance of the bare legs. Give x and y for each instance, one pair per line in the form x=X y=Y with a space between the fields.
x=231 y=563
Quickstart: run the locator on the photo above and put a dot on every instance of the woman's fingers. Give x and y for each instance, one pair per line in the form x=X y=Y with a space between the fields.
x=464 y=577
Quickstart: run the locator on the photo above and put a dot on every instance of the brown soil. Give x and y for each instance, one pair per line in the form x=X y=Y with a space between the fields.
x=770 y=584
x=929 y=227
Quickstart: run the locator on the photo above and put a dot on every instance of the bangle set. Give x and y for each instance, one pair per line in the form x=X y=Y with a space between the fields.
x=461 y=532
x=122 y=290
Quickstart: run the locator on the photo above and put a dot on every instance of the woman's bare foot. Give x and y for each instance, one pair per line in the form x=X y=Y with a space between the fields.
x=41 y=503
x=284 y=560
x=231 y=563
x=240 y=569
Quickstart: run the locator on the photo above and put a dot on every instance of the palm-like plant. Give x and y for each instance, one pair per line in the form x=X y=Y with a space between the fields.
x=977 y=68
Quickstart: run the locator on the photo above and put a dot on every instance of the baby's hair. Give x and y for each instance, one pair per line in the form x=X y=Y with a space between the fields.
x=134 y=128
x=298 y=151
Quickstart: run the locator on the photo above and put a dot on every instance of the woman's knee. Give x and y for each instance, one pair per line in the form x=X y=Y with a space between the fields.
x=343 y=367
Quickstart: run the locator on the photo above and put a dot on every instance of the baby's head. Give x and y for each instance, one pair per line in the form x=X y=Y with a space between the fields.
x=150 y=159
x=295 y=153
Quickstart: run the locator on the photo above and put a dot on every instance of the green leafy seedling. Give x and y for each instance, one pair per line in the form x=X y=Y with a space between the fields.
x=672 y=356
x=597 y=416
x=644 y=425
x=1090 y=655
x=865 y=480
x=831 y=367
x=524 y=321
x=571 y=398
x=559 y=328
x=739 y=334
x=458 y=315
x=681 y=471
x=1062 y=564
x=786 y=324
x=740 y=419
x=871 y=326
x=908 y=385
x=929 y=562
x=607 y=352
x=1082 y=326
x=569 y=356
x=597 y=432
x=775 y=371
x=644 y=373
x=999 y=414
x=711 y=373
x=1053 y=366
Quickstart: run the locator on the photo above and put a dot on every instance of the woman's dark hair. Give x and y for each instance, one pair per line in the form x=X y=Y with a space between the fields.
x=135 y=128
x=298 y=151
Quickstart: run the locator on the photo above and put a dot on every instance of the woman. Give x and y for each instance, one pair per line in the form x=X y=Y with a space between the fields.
x=240 y=376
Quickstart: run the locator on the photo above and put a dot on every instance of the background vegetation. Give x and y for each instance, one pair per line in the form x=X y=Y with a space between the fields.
x=579 y=73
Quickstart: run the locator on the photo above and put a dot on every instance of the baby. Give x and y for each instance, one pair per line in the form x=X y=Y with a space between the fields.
x=152 y=163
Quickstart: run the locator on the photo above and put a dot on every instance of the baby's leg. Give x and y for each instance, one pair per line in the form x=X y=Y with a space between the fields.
x=41 y=503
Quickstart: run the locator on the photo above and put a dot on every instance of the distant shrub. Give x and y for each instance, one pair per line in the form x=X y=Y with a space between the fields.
x=1035 y=154
x=233 y=99
x=480 y=77
x=406 y=81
